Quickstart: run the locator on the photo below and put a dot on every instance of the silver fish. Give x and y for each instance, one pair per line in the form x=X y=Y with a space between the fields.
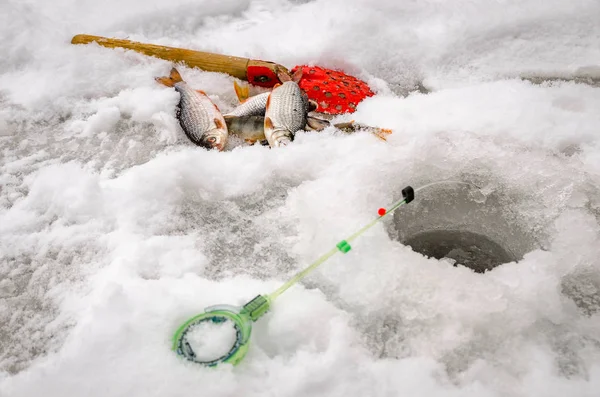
x=351 y=127
x=286 y=111
x=249 y=128
x=253 y=106
x=199 y=117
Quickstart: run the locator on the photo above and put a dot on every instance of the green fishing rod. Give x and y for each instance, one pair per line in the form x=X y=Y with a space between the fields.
x=243 y=317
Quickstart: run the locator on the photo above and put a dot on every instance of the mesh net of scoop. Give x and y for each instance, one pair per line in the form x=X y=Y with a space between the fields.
x=335 y=92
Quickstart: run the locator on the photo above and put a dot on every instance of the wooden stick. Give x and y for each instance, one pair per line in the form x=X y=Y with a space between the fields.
x=234 y=66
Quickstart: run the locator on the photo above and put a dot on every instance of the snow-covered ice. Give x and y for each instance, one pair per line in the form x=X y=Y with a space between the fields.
x=115 y=229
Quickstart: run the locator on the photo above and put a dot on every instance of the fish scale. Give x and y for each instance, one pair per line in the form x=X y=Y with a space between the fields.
x=194 y=113
x=198 y=116
x=253 y=106
x=249 y=128
x=287 y=110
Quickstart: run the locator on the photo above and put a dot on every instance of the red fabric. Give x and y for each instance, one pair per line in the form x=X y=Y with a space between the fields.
x=334 y=91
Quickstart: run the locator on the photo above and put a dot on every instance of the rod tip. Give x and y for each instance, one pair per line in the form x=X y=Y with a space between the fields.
x=409 y=194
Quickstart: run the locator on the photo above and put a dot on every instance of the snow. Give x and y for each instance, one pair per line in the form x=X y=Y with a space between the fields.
x=115 y=229
x=211 y=340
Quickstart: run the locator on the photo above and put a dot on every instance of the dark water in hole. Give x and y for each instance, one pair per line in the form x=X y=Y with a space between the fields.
x=472 y=250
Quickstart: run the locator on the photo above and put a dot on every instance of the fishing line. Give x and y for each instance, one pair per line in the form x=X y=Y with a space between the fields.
x=242 y=318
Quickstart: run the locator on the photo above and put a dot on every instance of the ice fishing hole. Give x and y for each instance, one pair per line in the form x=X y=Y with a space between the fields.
x=475 y=228
x=472 y=250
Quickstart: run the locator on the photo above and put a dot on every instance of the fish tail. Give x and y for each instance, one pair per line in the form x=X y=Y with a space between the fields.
x=242 y=91
x=173 y=78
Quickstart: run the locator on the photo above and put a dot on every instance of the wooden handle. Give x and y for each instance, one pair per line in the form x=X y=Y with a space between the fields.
x=234 y=66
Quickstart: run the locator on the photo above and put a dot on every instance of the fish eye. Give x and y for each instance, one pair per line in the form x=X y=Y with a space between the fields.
x=261 y=79
x=211 y=139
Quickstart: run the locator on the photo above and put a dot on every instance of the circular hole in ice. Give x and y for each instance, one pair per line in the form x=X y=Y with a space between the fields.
x=211 y=340
x=472 y=250
x=459 y=222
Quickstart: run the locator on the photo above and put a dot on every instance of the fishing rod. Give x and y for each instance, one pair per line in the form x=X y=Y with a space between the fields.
x=243 y=317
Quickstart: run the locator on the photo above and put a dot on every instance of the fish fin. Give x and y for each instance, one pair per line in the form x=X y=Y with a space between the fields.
x=317 y=124
x=219 y=123
x=268 y=123
x=216 y=107
x=297 y=75
x=379 y=132
x=165 y=81
x=268 y=102
x=201 y=92
x=173 y=78
x=312 y=105
x=283 y=76
x=242 y=91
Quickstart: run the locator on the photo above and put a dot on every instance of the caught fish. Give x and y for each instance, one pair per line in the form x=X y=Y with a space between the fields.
x=256 y=106
x=252 y=106
x=251 y=128
x=199 y=117
x=351 y=126
x=290 y=111
x=286 y=110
